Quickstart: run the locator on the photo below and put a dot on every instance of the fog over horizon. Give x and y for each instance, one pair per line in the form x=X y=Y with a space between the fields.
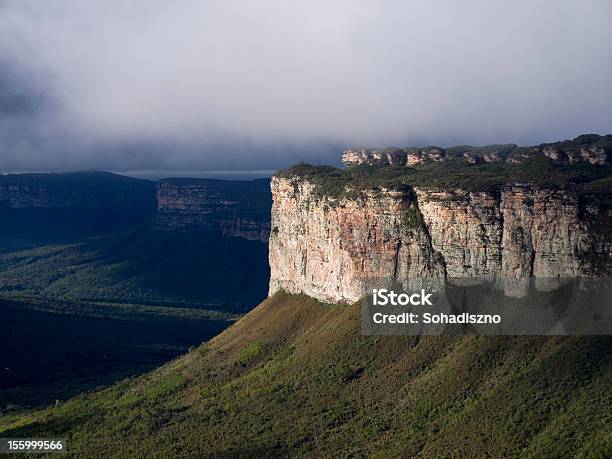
x=223 y=86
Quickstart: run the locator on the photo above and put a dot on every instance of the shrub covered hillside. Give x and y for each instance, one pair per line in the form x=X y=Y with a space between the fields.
x=144 y=266
x=592 y=182
x=296 y=377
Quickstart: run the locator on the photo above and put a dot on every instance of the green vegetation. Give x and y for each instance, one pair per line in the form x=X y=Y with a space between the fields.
x=295 y=377
x=455 y=172
x=194 y=269
x=54 y=350
x=249 y=353
x=413 y=218
x=91 y=293
x=450 y=174
x=339 y=183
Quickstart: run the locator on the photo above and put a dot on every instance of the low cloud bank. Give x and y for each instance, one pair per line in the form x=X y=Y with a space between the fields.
x=144 y=85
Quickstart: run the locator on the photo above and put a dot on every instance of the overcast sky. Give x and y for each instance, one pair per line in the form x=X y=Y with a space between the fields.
x=196 y=85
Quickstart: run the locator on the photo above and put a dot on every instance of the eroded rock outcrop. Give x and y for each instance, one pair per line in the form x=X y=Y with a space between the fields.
x=388 y=156
x=392 y=156
x=588 y=148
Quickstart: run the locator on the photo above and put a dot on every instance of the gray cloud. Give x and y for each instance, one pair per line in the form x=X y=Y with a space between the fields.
x=190 y=84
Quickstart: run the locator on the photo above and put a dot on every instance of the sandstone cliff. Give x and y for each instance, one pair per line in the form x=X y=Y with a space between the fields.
x=234 y=208
x=332 y=247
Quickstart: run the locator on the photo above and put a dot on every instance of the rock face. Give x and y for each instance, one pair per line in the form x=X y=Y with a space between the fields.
x=522 y=232
x=234 y=208
x=393 y=156
x=389 y=156
x=332 y=248
x=424 y=155
x=592 y=154
x=330 y=251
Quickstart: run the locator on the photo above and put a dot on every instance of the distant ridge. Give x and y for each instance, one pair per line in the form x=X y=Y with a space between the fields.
x=586 y=148
x=37 y=208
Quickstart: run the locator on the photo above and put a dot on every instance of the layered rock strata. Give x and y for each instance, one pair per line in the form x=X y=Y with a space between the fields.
x=234 y=208
x=333 y=248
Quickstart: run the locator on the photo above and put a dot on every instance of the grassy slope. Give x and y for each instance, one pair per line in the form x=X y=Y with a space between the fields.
x=297 y=376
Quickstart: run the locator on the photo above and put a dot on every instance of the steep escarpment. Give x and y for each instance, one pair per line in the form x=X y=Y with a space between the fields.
x=234 y=208
x=333 y=243
x=522 y=231
x=332 y=250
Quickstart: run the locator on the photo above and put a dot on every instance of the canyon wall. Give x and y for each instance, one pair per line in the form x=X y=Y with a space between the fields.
x=234 y=208
x=333 y=248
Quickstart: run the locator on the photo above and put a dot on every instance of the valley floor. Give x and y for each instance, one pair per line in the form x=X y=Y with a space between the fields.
x=53 y=350
x=296 y=377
